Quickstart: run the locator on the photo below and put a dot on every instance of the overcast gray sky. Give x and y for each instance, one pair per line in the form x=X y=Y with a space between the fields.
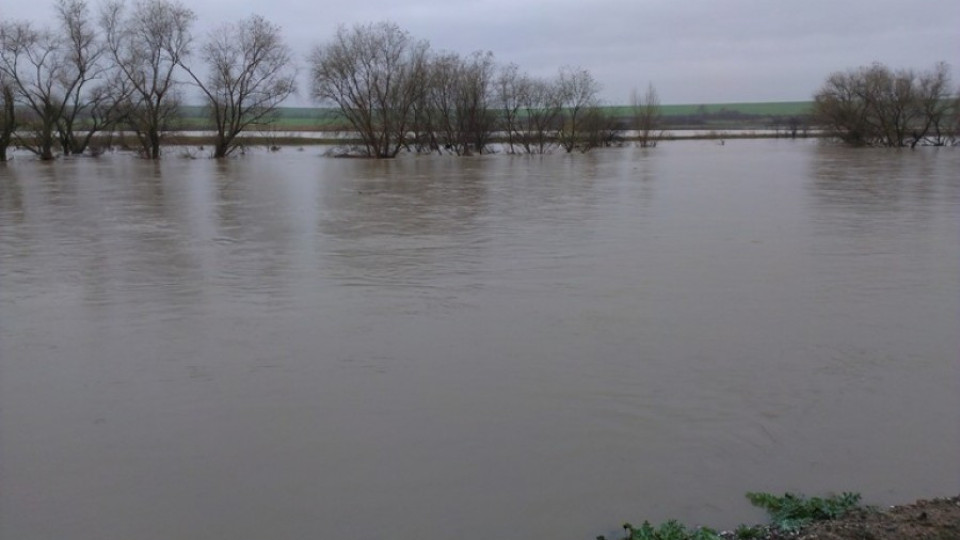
x=693 y=51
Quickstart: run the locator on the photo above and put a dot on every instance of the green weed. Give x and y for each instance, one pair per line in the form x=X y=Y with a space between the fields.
x=788 y=513
x=669 y=530
x=747 y=532
x=791 y=512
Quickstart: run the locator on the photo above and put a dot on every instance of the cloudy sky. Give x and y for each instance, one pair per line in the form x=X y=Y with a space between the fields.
x=693 y=51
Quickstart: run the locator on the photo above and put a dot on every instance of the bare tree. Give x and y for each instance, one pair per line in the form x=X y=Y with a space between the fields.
x=8 y=118
x=33 y=62
x=374 y=75
x=794 y=124
x=91 y=96
x=54 y=74
x=250 y=74
x=647 y=117
x=529 y=111
x=147 y=44
x=889 y=96
x=105 y=107
x=952 y=122
x=510 y=87
x=600 y=129
x=577 y=93
x=453 y=112
x=841 y=108
x=541 y=116
x=435 y=124
x=477 y=81
x=876 y=106
x=934 y=106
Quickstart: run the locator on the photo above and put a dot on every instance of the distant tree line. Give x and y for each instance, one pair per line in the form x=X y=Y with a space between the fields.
x=125 y=68
x=876 y=106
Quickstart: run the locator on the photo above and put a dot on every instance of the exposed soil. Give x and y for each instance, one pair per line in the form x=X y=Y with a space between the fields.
x=935 y=519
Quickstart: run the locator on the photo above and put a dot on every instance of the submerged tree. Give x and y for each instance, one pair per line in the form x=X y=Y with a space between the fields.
x=93 y=98
x=576 y=93
x=453 y=110
x=374 y=75
x=647 y=117
x=940 y=113
x=537 y=115
x=36 y=69
x=60 y=79
x=147 y=44
x=600 y=128
x=8 y=118
x=476 y=84
x=436 y=126
x=876 y=106
x=540 y=116
x=510 y=88
x=250 y=73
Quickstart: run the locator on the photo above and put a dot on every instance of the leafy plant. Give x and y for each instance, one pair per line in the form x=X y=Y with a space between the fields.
x=747 y=532
x=669 y=530
x=791 y=512
x=788 y=513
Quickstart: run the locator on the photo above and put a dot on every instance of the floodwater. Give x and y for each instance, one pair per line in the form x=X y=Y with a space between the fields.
x=288 y=346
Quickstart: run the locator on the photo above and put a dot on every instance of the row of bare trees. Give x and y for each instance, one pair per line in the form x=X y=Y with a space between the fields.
x=396 y=93
x=125 y=68
x=876 y=106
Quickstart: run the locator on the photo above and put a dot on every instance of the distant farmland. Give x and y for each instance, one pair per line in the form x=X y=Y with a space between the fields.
x=780 y=108
x=695 y=116
x=726 y=115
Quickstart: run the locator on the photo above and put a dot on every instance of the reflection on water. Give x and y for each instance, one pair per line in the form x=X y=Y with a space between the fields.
x=289 y=346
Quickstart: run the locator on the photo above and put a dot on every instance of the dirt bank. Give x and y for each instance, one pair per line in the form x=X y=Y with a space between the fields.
x=934 y=519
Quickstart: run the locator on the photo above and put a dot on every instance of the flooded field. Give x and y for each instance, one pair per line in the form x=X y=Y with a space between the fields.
x=288 y=346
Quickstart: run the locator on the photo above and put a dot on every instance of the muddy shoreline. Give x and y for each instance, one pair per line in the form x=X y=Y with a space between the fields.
x=924 y=519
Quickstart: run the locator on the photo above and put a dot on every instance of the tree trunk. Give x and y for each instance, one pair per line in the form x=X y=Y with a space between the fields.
x=220 y=149
x=45 y=150
x=152 y=148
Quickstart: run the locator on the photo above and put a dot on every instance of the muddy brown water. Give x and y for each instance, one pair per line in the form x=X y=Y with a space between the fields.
x=287 y=346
